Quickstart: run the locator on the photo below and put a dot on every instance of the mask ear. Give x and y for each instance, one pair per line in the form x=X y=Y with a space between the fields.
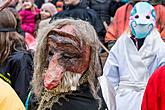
x=4 y=4
x=132 y=25
x=150 y=27
x=153 y=14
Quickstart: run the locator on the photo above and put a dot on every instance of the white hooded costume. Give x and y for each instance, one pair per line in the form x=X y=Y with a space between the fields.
x=127 y=68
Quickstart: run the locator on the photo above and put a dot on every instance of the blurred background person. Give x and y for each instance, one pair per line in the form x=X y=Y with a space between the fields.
x=76 y=9
x=47 y=11
x=16 y=64
x=28 y=15
x=102 y=8
x=135 y=56
x=121 y=20
x=105 y=8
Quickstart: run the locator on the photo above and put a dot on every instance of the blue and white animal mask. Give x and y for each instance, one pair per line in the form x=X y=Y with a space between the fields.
x=142 y=19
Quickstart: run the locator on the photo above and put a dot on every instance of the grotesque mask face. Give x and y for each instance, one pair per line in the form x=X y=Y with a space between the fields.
x=67 y=55
x=142 y=19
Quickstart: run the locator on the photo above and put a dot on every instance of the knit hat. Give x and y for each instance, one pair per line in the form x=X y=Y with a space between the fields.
x=50 y=8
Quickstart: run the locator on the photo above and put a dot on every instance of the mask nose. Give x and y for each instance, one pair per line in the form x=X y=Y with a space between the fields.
x=53 y=74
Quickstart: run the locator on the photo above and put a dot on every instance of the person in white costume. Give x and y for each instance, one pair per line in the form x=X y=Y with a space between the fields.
x=132 y=60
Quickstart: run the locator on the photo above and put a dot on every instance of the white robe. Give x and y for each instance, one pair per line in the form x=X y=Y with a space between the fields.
x=129 y=69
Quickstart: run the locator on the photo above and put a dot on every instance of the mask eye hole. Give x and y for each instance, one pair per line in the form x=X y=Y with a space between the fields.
x=147 y=17
x=137 y=16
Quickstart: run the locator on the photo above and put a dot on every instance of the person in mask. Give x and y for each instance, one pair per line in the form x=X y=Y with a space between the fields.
x=66 y=66
x=121 y=20
x=134 y=57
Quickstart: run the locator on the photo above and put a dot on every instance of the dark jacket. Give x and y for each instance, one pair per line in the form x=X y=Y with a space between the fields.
x=103 y=9
x=39 y=3
x=17 y=71
x=81 y=99
x=82 y=11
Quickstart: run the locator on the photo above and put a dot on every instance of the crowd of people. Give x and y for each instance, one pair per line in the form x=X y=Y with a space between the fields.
x=51 y=55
